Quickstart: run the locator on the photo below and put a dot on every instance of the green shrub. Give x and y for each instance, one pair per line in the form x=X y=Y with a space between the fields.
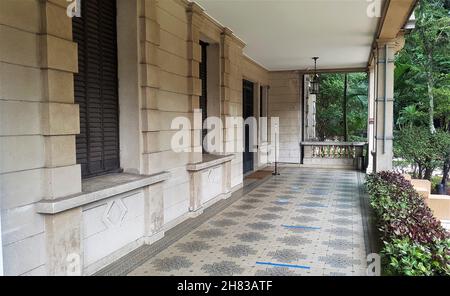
x=404 y=257
x=415 y=243
x=435 y=181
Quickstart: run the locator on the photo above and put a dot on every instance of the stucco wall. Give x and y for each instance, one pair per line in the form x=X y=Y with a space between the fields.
x=285 y=103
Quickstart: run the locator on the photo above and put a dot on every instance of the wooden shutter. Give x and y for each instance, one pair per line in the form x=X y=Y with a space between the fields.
x=96 y=88
x=204 y=79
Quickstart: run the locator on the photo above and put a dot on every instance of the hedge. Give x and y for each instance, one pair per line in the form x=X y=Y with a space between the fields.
x=414 y=241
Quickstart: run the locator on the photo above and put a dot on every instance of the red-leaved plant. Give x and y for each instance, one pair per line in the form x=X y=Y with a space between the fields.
x=404 y=217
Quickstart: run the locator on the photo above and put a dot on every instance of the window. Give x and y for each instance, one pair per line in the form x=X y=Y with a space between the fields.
x=263 y=94
x=204 y=79
x=96 y=88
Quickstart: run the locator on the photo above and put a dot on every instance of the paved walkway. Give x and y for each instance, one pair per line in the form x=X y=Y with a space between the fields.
x=304 y=222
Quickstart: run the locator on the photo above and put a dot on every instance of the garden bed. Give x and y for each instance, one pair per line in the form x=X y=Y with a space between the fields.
x=414 y=242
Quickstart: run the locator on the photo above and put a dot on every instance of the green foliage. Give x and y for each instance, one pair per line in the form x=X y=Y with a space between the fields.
x=434 y=182
x=410 y=116
x=424 y=63
x=414 y=242
x=404 y=257
x=329 y=106
x=422 y=149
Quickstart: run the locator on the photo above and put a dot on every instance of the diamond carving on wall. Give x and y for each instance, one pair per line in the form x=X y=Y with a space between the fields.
x=114 y=213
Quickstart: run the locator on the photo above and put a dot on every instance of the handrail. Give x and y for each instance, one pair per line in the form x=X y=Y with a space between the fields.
x=334 y=150
x=333 y=143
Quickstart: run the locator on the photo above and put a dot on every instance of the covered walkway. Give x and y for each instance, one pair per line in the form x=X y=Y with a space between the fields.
x=304 y=222
x=93 y=180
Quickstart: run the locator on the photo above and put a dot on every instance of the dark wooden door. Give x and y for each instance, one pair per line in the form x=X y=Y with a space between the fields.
x=96 y=88
x=247 y=103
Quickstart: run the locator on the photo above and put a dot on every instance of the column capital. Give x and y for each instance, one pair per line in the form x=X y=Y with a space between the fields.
x=226 y=32
x=196 y=18
x=195 y=8
x=396 y=43
x=371 y=65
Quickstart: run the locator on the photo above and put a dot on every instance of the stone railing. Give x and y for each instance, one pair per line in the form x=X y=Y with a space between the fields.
x=334 y=154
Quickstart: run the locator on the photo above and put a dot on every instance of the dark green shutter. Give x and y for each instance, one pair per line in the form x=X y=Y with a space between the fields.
x=204 y=79
x=96 y=88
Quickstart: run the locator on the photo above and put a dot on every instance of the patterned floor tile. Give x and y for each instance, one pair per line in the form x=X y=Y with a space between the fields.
x=307 y=217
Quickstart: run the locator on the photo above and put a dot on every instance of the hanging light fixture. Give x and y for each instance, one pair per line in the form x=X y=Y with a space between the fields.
x=315 y=81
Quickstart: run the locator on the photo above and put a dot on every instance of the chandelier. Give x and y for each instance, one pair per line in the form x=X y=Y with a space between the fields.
x=315 y=81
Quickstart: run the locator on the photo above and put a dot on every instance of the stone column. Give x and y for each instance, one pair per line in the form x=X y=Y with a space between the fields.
x=226 y=177
x=371 y=114
x=231 y=99
x=60 y=123
x=1 y=247
x=151 y=129
x=150 y=85
x=384 y=118
x=195 y=202
x=194 y=56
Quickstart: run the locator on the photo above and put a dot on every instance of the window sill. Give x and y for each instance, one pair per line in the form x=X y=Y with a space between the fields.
x=99 y=188
x=209 y=160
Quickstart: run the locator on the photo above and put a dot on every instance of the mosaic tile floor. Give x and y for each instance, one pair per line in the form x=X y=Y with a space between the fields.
x=304 y=222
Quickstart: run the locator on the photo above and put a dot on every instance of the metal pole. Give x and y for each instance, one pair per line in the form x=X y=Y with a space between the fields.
x=385 y=96
x=345 y=108
x=276 y=173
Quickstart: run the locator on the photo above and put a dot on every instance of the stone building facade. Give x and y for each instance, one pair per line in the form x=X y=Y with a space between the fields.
x=56 y=222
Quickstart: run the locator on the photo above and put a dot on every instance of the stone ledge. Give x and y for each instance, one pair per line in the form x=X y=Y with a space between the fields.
x=100 y=188
x=209 y=160
x=310 y=143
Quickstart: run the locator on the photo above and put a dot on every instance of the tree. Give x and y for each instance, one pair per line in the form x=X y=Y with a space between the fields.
x=410 y=116
x=331 y=120
x=424 y=150
x=443 y=140
x=430 y=46
x=422 y=90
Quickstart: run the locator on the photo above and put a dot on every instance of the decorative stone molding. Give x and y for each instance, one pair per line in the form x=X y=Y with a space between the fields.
x=229 y=34
x=209 y=161
x=99 y=188
x=214 y=171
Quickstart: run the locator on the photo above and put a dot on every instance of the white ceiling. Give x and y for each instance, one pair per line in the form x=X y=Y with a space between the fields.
x=286 y=34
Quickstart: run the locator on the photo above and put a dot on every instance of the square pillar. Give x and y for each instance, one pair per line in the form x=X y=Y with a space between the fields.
x=195 y=22
x=371 y=115
x=60 y=124
x=154 y=213
x=63 y=243
x=1 y=247
x=384 y=106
